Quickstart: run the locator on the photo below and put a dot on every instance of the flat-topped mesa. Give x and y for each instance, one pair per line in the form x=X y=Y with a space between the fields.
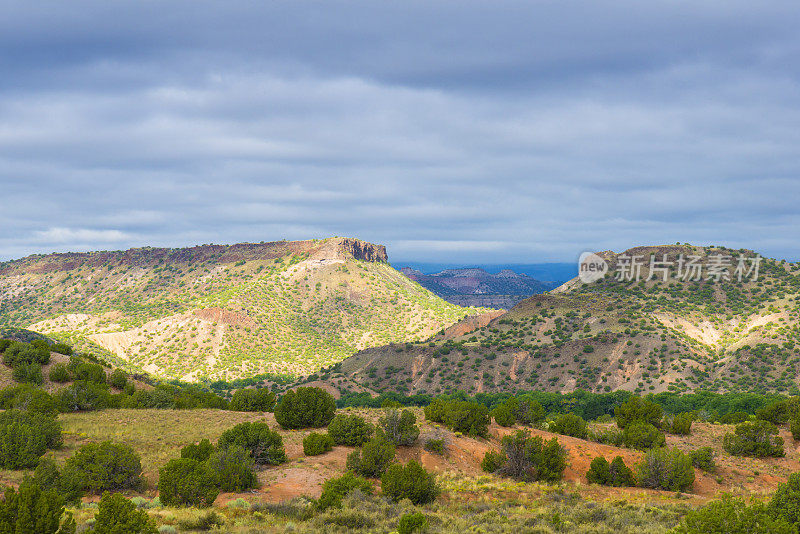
x=334 y=248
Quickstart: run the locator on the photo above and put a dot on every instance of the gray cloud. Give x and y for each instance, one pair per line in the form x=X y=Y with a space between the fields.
x=502 y=131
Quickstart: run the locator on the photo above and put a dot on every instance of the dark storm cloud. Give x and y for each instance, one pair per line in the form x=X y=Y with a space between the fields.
x=450 y=131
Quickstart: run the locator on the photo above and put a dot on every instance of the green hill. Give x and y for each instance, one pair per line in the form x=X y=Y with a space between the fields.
x=636 y=335
x=226 y=312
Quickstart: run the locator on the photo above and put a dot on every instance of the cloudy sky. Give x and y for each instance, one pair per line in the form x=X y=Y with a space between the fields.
x=460 y=131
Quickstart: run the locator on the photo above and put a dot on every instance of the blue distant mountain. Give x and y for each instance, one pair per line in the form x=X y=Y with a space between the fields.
x=544 y=272
x=495 y=286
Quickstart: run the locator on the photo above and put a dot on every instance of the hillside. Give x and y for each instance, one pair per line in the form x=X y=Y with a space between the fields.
x=476 y=287
x=470 y=499
x=642 y=336
x=217 y=311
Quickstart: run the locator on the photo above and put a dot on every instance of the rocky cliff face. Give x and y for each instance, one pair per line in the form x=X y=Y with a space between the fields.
x=346 y=247
x=337 y=248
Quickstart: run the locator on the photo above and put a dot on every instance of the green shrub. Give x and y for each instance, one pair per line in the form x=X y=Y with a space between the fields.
x=528 y=458
x=315 y=444
x=570 y=425
x=61 y=348
x=25 y=436
x=59 y=373
x=28 y=373
x=642 y=436
x=40 y=344
x=30 y=509
x=785 y=502
x=117 y=515
x=46 y=474
x=118 y=379
x=74 y=362
x=90 y=372
x=703 y=458
x=373 y=458
x=106 y=466
x=733 y=418
x=412 y=522
x=253 y=400
x=436 y=410
x=335 y=489
x=620 y=474
x=757 y=439
x=351 y=430
x=733 y=516
x=83 y=396
x=794 y=428
x=615 y=474
x=526 y=411
x=778 y=413
x=493 y=461
x=305 y=407
x=409 y=482
x=598 y=472
x=467 y=417
x=199 y=451
x=28 y=398
x=435 y=446
x=264 y=445
x=400 y=427
x=233 y=467
x=666 y=469
x=26 y=353
x=513 y=410
x=503 y=415
x=680 y=424
x=187 y=482
x=638 y=410
x=160 y=398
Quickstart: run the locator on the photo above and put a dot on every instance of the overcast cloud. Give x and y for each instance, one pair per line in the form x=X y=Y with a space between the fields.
x=449 y=131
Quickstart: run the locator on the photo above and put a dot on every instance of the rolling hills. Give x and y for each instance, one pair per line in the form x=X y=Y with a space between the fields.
x=646 y=335
x=222 y=311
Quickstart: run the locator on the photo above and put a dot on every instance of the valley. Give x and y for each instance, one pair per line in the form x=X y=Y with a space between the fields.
x=499 y=420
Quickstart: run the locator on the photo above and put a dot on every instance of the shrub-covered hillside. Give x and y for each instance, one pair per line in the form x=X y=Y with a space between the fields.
x=222 y=311
x=490 y=464
x=642 y=336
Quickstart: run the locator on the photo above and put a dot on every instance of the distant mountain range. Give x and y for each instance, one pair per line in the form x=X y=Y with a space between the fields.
x=476 y=287
x=546 y=272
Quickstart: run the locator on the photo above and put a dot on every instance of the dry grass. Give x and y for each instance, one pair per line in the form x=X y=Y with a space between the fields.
x=158 y=435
